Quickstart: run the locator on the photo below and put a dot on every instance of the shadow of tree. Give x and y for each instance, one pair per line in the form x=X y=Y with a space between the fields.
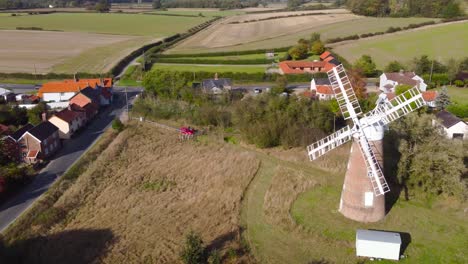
x=391 y=159
x=74 y=246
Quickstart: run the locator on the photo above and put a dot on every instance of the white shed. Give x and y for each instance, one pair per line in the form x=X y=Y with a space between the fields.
x=378 y=244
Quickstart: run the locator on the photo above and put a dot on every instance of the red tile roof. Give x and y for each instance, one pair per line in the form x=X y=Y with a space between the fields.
x=71 y=85
x=67 y=115
x=324 y=89
x=107 y=82
x=297 y=67
x=429 y=96
x=80 y=99
x=324 y=55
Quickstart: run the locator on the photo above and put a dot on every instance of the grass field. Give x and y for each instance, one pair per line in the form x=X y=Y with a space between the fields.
x=458 y=95
x=211 y=68
x=284 y=32
x=196 y=12
x=440 y=42
x=148 y=190
x=231 y=57
x=290 y=214
x=121 y=24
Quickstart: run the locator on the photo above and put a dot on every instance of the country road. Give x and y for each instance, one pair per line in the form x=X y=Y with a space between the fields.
x=71 y=152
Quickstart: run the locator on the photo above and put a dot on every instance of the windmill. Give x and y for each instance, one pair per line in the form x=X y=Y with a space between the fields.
x=362 y=197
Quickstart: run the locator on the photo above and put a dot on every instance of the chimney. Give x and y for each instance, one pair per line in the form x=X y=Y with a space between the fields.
x=44 y=116
x=216 y=76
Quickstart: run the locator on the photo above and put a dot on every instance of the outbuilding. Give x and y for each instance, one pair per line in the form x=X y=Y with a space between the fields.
x=378 y=244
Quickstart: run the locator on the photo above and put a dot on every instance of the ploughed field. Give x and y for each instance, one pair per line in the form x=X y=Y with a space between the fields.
x=80 y=42
x=235 y=33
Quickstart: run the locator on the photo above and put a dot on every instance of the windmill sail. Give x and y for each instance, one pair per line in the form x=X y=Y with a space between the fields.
x=344 y=93
x=333 y=141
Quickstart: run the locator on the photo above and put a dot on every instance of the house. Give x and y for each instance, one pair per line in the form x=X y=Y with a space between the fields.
x=68 y=122
x=7 y=95
x=65 y=90
x=389 y=80
x=301 y=67
x=216 y=85
x=454 y=127
x=87 y=101
x=40 y=142
x=430 y=98
x=323 y=91
x=328 y=57
x=10 y=142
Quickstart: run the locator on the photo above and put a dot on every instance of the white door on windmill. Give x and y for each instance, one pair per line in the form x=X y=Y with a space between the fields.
x=363 y=128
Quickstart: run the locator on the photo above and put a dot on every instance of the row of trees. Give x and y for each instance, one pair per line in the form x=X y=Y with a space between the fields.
x=304 y=47
x=433 y=8
x=13 y=115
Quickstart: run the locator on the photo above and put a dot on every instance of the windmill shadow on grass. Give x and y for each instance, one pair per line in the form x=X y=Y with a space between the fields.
x=71 y=247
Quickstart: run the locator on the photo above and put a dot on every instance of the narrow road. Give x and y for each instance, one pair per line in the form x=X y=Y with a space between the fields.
x=71 y=152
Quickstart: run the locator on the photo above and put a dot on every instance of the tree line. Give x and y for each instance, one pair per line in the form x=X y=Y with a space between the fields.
x=404 y=8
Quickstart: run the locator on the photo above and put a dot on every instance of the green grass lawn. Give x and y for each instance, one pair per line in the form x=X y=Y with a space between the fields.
x=340 y=29
x=441 y=43
x=211 y=68
x=457 y=94
x=311 y=228
x=123 y=24
x=230 y=57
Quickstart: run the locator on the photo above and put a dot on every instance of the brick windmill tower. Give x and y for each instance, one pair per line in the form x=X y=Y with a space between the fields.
x=362 y=197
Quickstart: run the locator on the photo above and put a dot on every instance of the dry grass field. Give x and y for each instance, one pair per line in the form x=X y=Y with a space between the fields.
x=148 y=190
x=284 y=31
x=30 y=51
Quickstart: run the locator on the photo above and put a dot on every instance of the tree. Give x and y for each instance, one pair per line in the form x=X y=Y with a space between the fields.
x=117 y=125
x=394 y=66
x=164 y=83
x=292 y=4
x=423 y=65
x=192 y=252
x=453 y=67
x=298 y=52
x=443 y=99
x=156 y=4
x=317 y=47
x=35 y=113
x=281 y=84
x=102 y=6
x=358 y=82
x=366 y=65
x=452 y=9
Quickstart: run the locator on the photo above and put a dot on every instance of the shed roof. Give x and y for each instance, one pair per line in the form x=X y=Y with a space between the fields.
x=379 y=236
x=448 y=119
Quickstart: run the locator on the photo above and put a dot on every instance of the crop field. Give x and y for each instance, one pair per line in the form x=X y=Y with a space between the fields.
x=36 y=51
x=147 y=190
x=210 y=68
x=284 y=32
x=440 y=42
x=91 y=43
x=120 y=24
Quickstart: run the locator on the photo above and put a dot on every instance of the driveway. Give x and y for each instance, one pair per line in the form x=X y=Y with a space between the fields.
x=71 y=152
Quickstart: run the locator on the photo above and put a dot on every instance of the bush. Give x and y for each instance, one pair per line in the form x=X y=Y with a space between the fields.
x=117 y=125
x=193 y=250
x=459 y=83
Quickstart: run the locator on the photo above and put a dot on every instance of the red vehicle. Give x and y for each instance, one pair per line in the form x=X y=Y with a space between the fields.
x=187 y=132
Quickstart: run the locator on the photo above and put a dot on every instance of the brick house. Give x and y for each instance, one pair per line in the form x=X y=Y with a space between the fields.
x=87 y=101
x=68 y=122
x=40 y=142
x=326 y=63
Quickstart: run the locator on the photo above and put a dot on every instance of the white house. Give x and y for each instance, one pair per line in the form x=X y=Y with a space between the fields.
x=59 y=91
x=454 y=127
x=322 y=92
x=389 y=80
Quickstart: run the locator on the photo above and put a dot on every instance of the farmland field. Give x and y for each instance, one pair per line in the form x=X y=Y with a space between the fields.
x=91 y=43
x=121 y=24
x=284 y=31
x=440 y=42
x=210 y=68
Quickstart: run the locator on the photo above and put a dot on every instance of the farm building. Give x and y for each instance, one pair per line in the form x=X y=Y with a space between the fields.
x=40 y=142
x=322 y=91
x=68 y=122
x=327 y=62
x=389 y=80
x=378 y=244
x=216 y=85
x=454 y=127
x=65 y=90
